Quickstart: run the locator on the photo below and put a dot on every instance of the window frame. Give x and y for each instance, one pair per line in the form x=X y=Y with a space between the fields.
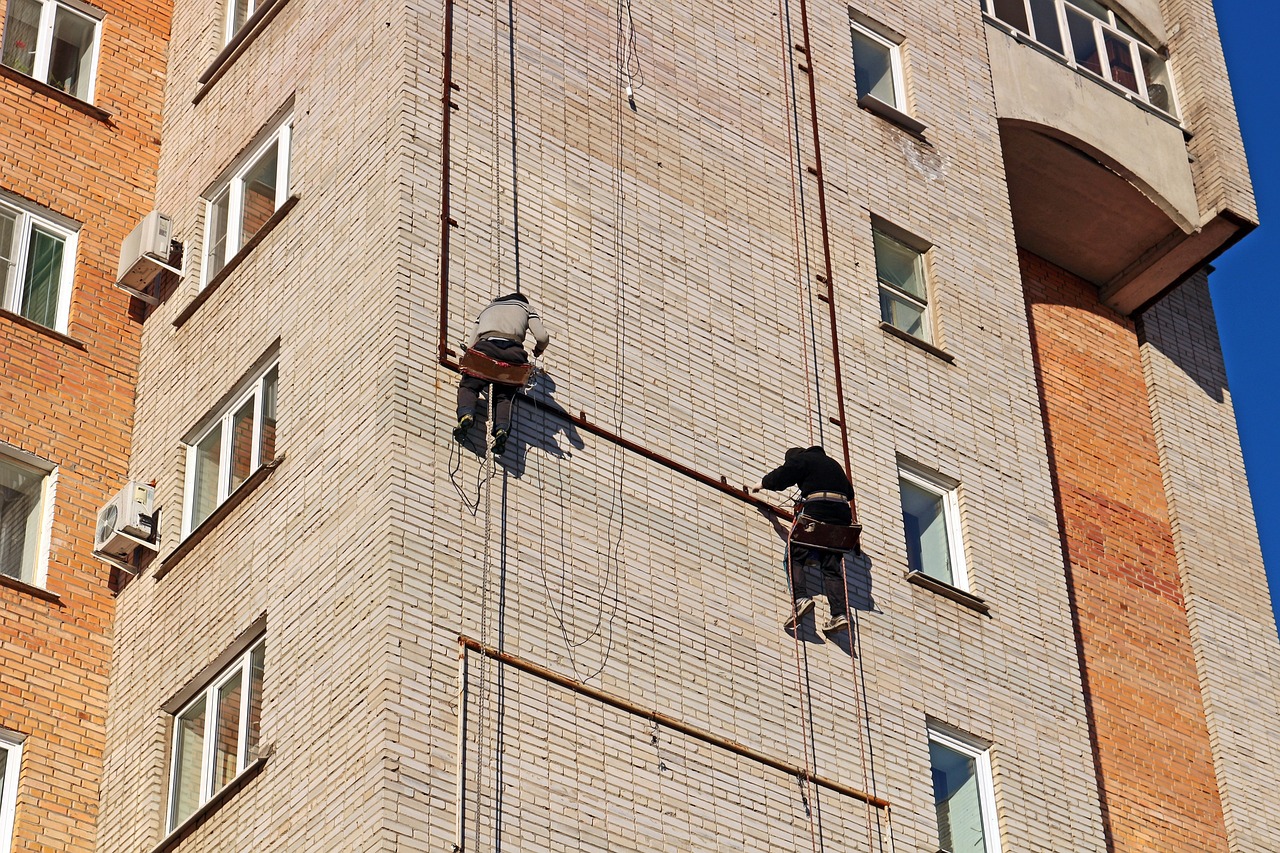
x=29 y=219
x=948 y=491
x=859 y=26
x=229 y=29
x=921 y=249
x=241 y=667
x=253 y=389
x=980 y=753
x=44 y=44
x=232 y=186
x=48 y=472
x=11 y=757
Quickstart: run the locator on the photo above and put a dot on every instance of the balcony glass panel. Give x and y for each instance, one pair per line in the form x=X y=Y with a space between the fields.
x=1084 y=43
x=1120 y=58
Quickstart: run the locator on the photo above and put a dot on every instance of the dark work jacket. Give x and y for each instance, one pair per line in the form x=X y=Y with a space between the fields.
x=814 y=471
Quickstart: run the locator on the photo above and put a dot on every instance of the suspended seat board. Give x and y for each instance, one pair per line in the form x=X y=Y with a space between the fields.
x=484 y=367
x=824 y=536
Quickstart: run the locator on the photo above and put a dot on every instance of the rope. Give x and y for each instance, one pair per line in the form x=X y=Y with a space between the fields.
x=806 y=706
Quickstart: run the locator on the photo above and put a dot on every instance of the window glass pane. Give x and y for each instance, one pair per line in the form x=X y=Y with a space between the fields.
x=1044 y=15
x=226 y=733
x=899 y=265
x=8 y=250
x=1084 y=44
x=1013 y=13
x=240 y=12
x=269 y=382
x=21 y=27
x=1093 y=7
x=1157 y=73
x=205 y=488
x=242 y=443
x=188 y=753
x=4 y=767
x=259 y=193
x=955 y=796
x=873 y=69
x=903 y=314
x=257 y=661
x=71 y=55
x=1120 y=57
x=21 y=499
x=925 y=524
x=216 y=251
x=44 y=273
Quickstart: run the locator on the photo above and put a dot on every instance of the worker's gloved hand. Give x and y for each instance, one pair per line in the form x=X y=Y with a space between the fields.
x=758 y=487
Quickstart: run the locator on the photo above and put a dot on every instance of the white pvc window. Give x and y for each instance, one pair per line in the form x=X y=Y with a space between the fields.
x=10 y=764
x=25 y=498
x=877 y=67
x=1092 y=38
x=963 y=794
x=239 y=12
x=54 y=42
x=230 y=448
x=215 y=736
x=931 y=527
x=239 y=206
x=904 y=292
x=37 y=262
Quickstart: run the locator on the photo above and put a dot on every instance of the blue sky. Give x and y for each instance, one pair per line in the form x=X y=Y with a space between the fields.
x=1244 y=288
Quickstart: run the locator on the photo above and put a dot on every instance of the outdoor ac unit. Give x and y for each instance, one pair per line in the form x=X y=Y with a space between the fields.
x=144 y=253
x=126 y=522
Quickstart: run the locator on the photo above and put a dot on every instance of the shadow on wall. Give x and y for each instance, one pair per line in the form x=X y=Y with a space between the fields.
x=532 y=427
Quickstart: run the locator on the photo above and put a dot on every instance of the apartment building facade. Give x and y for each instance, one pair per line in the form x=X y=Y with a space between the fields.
x=81 y=89
x=959 y=245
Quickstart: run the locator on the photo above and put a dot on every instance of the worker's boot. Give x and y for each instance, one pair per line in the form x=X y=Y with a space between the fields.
x=463 y=427
x=802 y=606
x=835 y=624
x=499 y=441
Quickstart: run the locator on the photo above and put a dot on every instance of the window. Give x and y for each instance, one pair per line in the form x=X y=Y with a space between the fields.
x=215 y=736
x=904 y=296
x=962 y=794
x=238 y=12
x=37 y=257
x=10 y=761
x=233 y=446
x=1090 y=37
x=54 y=41
x=24 y=491
x=931 y=524
x=239 y=206
x=877 y=66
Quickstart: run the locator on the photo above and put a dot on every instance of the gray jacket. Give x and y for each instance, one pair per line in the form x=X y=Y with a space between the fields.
x=511 y=319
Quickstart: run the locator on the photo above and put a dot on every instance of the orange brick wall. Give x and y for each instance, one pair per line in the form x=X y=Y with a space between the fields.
x=69 y=400
x=1151 y=741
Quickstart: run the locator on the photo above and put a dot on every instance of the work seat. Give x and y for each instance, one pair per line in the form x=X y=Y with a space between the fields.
x=484 y=367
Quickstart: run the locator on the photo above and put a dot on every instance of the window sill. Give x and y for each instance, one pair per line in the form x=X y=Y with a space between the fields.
x=96 y=113
x=193 y=821
x=872 y=104
x=936 y=352
x=239 y=44
x=204 y=528
x=44 y=330
x=946 y=590
x=31 y=590
x=230 y=266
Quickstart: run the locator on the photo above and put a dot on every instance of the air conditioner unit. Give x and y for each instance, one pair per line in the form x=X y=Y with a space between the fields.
x=125 y=523
x=144 y=253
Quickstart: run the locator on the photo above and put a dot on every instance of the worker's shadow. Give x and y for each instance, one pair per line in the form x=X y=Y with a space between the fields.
x=857 y=579
x=539 y=422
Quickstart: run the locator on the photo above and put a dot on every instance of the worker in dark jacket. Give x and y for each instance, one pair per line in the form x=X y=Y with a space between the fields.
x=499 y=333
x=825 y=493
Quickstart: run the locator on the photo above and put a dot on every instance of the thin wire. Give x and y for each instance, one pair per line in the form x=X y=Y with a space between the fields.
x=515 y=184
x=803 y=694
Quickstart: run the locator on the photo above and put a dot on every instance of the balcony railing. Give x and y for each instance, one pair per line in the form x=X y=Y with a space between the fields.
x=1093 y=42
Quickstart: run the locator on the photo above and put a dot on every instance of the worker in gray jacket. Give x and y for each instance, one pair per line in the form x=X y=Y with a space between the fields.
x=499 y=333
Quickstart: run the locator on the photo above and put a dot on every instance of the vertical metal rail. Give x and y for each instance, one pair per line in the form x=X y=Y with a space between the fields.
x=460 y=819
x=446 y=222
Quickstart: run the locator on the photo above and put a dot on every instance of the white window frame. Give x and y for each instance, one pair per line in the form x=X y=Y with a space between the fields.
x=1111 y=26
x=234 y=187
x=11 y=756
x=895 y=61
x=949 y=491
x=225 y=419
x=44 y=42
x=14 y=456
x=921 y=249
x=981 y=755
x=31 y=218
x=230 y=29
x=240 y=668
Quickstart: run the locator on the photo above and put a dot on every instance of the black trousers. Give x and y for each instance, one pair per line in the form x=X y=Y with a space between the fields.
x=470 y=387
x=830 y=563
